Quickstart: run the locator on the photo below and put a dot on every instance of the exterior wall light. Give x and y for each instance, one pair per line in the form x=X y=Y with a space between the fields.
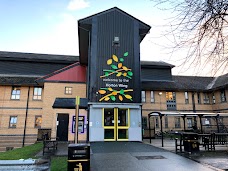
x=116 y=41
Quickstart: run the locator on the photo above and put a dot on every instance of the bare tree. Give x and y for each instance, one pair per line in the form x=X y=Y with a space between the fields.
x=201 y=28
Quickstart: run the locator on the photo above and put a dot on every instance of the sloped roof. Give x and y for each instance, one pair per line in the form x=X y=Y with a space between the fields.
x=148 y=64
x=188 y=83
x=70 y=73
x=18 y=81
x=19 y=56
x=219 y=82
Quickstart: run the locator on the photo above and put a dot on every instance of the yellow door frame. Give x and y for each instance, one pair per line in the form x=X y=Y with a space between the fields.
x=115 y=127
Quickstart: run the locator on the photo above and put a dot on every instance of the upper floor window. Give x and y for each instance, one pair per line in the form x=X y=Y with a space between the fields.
x=68 y=90
x=152 y=96
x=177 y=122
x=206 y=98
x=37 y=93
x=143 y=94
x=186 y=97
x=223 y=96
x=13 y=122
x=213 y=98
x=170 y=96
x=16 y=92
x=198 y=98
x=38 y=121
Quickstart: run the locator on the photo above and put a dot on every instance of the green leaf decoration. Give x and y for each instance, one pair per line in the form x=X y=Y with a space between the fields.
x=122 y=91
x=125 y=54
x=121 y=59
x=106 y=73
x=113 y=98
x=129 y=73
x=114 y=67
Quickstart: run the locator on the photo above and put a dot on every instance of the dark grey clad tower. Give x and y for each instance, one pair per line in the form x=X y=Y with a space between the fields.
x=109 y=44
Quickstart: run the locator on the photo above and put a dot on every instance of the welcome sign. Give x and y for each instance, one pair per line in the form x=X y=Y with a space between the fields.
x=116 y=80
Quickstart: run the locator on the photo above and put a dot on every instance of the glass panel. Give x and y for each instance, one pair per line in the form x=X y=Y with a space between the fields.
x=122 y=117
x=122 y=133
x=109 y=117
x=109 y=134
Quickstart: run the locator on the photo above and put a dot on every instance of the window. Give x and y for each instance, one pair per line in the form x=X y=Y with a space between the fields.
x=177 y=122
x=38 y=121
x=198 y=98
x=213 y=98
x=68 y=90
x=152 y=97
x=223 y=96
x=156 y=122
x=186 y=97
x=171 y=100
x=37 y=93
x=206 y=98
x=16 y=92
x=208 y=122
x=166 y=122
x=144 y=122
x=170 y=96
x=143 y=93
x=189 y=122
x=13 y=122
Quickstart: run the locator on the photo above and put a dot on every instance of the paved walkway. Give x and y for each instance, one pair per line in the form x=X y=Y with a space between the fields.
x=134 y=156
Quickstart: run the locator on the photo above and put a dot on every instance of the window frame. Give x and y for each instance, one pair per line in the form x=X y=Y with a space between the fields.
x=199 y=98
x=14 y=93
x=189 y=124
x=36 y=116
x=186 y=97
x=222 y=96
x=13 y=123
x=143 y=96
x=206 y=98
x=213 y=98
x=38 y=94
x=152 y=99
x=67 y=91
x=177 y=124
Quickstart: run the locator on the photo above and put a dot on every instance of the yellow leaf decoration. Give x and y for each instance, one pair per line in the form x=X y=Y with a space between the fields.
x=115 y=58
x=102 y=91
x=125 y=74
x=128 y=96
x=120 y=98
x=114 y=93
x=125 y=68
x=119 y=74
x=120 y=65
x=109 y=62
x=106 y=99
x=110 y=89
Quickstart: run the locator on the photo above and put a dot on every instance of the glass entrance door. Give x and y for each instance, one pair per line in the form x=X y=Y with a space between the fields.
x=116 y=124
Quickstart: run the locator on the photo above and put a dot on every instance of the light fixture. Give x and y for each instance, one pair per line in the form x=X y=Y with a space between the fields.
x=116 y=41
x=160 y=93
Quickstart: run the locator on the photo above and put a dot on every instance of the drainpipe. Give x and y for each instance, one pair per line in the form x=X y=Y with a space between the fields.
x=26 y=116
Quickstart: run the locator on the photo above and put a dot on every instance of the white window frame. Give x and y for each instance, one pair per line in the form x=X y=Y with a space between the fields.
x=37 y=93
x=143 y=94
x=16 y=93
x=13 y=122
x=68 y=90
x=152 y=100
x=186 y=97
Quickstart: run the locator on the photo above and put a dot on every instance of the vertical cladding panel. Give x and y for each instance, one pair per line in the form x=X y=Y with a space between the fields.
x=110 y=25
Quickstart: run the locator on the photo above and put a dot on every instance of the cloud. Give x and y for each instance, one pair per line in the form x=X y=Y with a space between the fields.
x=77 y=5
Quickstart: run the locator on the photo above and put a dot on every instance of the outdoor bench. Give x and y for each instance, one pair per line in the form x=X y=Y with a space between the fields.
x=49 y=145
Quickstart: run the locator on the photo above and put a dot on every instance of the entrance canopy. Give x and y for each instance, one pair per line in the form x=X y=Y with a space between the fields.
x=69 y=103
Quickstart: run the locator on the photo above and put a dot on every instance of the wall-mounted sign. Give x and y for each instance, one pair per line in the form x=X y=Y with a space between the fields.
x=117 y=81
x=81 y=122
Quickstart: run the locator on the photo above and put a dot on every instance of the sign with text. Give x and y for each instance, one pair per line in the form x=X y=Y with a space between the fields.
x=116 y=80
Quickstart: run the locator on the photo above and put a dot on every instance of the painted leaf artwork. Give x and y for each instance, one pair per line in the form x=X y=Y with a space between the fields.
x=117 y=67
x=111 y=94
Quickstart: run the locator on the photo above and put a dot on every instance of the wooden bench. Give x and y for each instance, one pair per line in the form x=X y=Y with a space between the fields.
x=49 y=145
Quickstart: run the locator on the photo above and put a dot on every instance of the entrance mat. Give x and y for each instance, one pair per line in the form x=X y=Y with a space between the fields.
x=149 y=157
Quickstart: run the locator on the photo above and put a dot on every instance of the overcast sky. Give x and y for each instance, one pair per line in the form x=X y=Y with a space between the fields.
x=50 y=26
